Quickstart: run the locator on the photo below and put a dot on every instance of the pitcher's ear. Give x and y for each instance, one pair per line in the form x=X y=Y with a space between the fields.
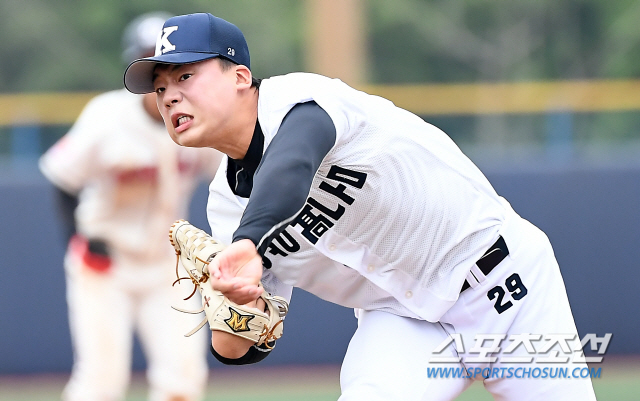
x=243 y=75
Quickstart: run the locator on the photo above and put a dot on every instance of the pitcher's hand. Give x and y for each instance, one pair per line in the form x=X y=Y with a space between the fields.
x=236 y=272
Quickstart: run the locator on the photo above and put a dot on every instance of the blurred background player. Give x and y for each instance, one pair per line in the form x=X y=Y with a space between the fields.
x=122 y=182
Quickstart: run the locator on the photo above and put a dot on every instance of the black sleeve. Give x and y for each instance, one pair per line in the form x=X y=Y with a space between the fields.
x=283 y=179
x=255 y=354
x=66 y=204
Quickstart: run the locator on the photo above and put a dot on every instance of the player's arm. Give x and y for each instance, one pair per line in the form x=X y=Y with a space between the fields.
x=281 y=185
x=93 y=251
x=280 y=189
x=285 y=174
x=69 y=165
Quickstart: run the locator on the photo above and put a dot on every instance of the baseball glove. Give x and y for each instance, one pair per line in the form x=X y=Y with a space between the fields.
x=195 y=249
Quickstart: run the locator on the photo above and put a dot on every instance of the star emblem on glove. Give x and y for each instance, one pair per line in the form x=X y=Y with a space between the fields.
x=238 y=322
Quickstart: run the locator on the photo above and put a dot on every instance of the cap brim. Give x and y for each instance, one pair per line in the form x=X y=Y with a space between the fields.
x=138 y=77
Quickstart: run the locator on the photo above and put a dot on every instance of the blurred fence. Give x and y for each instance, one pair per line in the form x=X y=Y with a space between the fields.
x=30 y=123
x=422 y=99
x=590 y=215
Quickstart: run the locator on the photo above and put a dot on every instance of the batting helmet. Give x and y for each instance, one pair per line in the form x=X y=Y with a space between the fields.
x=139 y=37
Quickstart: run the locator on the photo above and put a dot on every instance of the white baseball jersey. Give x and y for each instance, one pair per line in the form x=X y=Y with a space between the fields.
x=132 y=180
x=396 y=215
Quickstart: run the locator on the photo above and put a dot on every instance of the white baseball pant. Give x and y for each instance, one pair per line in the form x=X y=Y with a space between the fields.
x=390 y=357
x=105 y=309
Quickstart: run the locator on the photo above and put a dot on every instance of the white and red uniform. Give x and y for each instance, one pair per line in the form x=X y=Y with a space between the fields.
x=133 y=182
x=394 y=221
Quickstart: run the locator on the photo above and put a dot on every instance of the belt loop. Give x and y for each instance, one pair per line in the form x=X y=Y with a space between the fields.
x=478 y=274
x=491 y=258
x=470 y=281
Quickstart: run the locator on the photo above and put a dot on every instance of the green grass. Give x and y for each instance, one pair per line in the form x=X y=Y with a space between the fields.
x=618 y=382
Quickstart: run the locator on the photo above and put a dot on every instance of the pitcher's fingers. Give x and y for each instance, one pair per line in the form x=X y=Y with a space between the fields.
x=214 y=268
x=243 y=295
x=243 y=292
x=221 y=285
x=240 y=286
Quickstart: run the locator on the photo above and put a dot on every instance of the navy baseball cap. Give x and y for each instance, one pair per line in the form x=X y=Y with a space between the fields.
x=188 y=39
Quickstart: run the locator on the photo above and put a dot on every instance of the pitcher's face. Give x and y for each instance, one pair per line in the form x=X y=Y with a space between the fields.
x=197 y=101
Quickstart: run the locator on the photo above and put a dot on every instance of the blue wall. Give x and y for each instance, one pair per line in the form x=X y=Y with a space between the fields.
x=591 y=215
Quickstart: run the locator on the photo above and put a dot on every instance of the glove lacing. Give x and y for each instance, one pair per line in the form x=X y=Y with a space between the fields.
x=195 y=242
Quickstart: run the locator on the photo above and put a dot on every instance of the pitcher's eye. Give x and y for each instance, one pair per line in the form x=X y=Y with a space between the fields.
x=185 y=76
x=159 y=90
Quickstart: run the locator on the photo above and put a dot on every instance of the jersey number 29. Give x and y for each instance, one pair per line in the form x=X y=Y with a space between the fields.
x=514 y=286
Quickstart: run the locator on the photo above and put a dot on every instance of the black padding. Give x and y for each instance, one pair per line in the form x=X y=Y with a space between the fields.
x=255 y=354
